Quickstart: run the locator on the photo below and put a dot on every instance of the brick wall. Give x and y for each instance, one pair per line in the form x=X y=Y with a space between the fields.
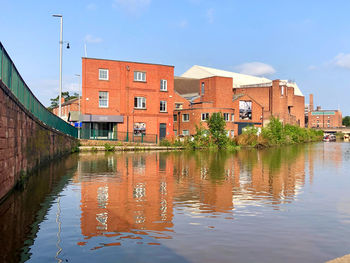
x=325 y=120
x=122 y=89
x=25 y=142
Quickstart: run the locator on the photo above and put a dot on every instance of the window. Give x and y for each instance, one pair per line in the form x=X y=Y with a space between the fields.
x=232 y=117
x=178 y=106
x=163 y=107
x=103 y=99
x=282 y=90
x=185 y=117
x=226 y=116
x=203 y=88
x=175 y=118
x=139 y=128
x=163 y=85
x=175 y=132
x=232 y=133
x=140 y=103
x=139 y=76
x=185 y=132
x=205 y=116
x=103 y=74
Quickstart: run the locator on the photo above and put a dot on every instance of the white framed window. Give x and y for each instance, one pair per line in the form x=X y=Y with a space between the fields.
x=232 y=117
x=178 y=106
x=203 y=88
x=227 y=116
x=163 y=106
x=185 y=132
x=163 y=85
x=232 y=133
x=185 y=117
x=282 y=90
x=139 y=76
x=140 y=103
x=175 y=117
x=103 y=99
x=204 y=116
x=103 y=74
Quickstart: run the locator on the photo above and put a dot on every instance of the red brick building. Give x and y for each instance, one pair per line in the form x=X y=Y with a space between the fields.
x=319 y=118
x=122 y=96
x=244 y=100
x=67 y=107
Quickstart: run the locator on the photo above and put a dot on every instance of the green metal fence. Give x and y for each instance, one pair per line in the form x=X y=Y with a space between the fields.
x=12 y=79
x=93 y=134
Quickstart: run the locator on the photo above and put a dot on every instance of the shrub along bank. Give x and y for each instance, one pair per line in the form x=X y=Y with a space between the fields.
x=275 y=133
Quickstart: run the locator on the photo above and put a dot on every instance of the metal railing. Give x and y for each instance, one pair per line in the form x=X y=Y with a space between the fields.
x=93 y=134
x=10 y=76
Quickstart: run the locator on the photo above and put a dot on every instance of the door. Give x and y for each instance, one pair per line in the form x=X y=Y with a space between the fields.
x=241 y=126
x=162 y=131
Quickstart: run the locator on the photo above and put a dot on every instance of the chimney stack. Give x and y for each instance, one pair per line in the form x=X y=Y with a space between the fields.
x=311 y=102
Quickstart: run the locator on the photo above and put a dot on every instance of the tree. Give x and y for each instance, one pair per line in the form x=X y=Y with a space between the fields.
x=346 y=121
x=65 y=95
x=217 y=124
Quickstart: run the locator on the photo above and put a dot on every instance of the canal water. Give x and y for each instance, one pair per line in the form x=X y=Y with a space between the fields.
x=288 y=204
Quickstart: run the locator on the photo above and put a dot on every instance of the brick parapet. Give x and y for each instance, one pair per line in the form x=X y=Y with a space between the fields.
x=25 y=142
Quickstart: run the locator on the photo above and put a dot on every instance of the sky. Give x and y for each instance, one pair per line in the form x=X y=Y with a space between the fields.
x=304 y=41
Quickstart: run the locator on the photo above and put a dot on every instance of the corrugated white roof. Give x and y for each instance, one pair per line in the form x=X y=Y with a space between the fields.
x=199 y=72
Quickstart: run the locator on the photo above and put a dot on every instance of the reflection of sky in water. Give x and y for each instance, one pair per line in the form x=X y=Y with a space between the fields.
x=269 y=206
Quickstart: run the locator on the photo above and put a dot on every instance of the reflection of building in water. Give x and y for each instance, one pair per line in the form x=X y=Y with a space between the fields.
x=133 y=194
x=137 y=191
x=221 y=182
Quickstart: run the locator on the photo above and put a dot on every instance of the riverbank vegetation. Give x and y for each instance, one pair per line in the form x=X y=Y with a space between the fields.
x=275 y=133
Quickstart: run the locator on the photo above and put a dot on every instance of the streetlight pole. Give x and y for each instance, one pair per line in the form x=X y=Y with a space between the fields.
x=79 y=98
x=61 y=45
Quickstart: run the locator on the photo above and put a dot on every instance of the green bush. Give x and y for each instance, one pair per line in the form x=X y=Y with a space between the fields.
x=218 y=134
x=109 y=148
x=165 y=142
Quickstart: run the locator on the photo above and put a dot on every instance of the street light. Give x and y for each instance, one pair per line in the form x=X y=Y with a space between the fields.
x=61 y=44
x=80 y=93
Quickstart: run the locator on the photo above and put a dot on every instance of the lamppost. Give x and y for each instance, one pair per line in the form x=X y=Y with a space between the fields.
x=79 y=98
x=80 y=91
x=61 y=44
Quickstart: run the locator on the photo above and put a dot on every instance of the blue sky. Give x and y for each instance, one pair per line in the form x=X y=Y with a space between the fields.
x=305 y=41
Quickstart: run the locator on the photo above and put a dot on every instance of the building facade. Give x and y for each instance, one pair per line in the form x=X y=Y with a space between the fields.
x=243 y=100
x=318 y=118
x=67 y=107
x=121 y=98
x=214 y=94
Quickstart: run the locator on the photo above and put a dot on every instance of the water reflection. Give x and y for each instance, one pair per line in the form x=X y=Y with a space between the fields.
x=133 y=192
x=164 y=206
x=23 y=211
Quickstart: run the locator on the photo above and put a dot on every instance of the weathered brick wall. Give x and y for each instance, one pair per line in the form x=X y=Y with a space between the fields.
x=25 y=142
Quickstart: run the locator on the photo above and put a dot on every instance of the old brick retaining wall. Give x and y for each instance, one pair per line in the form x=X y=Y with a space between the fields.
x=25 y=142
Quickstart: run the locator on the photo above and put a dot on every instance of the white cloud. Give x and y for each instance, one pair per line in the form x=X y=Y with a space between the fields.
x=255 y=69
x=132 y=6
x=210 y=15
x=92 y=39
x=342 y=60
x=91 y=7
